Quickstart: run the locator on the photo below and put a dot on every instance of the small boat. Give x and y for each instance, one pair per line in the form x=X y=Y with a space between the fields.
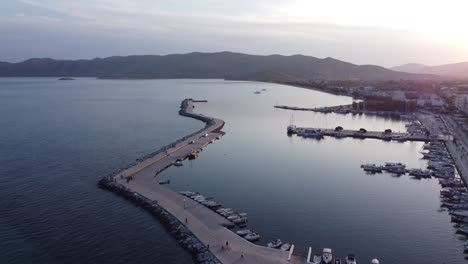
x=420 y=173
x=371 y=168
x=164 y=182
x=243 y=232
x=285 y=247
x=291 y=129
x=239 y=220
x=351 y=259
x=257 y=92
x=275 y=244
x=252 y=236
x=178 y=164
x=463 y=230
x=375 y=261
x=327 y=255
x=263 y=89
x=337 y=261
x=317 y=259
x=465 y=247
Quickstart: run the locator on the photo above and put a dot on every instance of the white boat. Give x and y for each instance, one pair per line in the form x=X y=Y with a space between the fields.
x=275 y=244
x=285 y=247
x=178 y=163
x=371 y=168
x=317 y=259
x=375 y=261
x=327 y=256
x=243 y=232
x=351 y=259
x=394 y=164
x=252 y=236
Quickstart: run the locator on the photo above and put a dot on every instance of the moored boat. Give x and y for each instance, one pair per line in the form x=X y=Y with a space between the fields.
x=243 y=232
x=252 y=236
x=285 y=247
x=275 y=244
x=351 y=259
x=317 y=259
x=327 y=255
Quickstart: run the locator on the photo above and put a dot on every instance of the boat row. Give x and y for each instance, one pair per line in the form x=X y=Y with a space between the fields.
x=327 y=258
x=239 y=219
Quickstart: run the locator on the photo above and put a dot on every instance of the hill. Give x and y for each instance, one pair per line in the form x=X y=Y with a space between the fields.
x=227 y=65
x=459 y=70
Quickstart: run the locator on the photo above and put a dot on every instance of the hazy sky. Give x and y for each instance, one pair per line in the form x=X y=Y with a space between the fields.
x=387 y=32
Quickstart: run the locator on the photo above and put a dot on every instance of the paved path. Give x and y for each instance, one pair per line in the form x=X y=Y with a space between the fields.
x=204 y=223
x=434 y=125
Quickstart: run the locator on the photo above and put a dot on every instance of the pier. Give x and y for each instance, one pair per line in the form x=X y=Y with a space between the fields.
x=397 y=136
x=206 y=225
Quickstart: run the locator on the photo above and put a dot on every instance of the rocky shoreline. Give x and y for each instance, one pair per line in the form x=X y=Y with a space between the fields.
x=181 y=233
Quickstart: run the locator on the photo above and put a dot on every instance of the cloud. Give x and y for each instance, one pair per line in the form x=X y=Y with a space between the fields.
x=121 y=27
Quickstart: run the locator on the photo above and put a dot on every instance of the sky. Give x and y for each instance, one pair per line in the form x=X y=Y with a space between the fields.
x=386 y=33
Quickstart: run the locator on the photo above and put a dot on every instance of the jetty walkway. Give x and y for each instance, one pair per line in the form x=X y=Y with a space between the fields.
x=206 y=225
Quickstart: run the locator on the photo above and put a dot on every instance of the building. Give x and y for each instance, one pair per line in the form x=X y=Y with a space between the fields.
x=398 y=95
x=461 y=102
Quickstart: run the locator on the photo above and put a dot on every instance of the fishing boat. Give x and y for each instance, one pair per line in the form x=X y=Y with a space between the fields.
x=252 y=236
x=291 y=129
x=350 y=259
x=243 y=232
x=327 y=256
x=164 y=182
x=285 y=247
x=275 y=244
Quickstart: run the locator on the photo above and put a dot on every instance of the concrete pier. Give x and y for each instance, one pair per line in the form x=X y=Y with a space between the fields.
x=368 y=134
x=205 y=224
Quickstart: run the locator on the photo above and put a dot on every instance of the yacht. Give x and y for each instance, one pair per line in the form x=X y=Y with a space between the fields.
x=275 y=244
x=351 y=259
x=327 y=255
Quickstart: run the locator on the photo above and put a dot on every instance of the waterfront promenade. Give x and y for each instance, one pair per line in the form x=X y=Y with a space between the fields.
x=204 y=223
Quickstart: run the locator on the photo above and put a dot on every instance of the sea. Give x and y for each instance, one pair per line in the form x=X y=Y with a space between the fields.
x=58 y=138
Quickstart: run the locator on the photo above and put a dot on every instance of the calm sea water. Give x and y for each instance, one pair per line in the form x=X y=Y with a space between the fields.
x=58 y=138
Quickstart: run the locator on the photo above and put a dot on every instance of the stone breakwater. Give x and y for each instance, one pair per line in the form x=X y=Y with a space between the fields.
x=183 y=236
x=181 y=233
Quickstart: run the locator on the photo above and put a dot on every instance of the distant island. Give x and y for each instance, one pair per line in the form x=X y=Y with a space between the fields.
x=220 y=65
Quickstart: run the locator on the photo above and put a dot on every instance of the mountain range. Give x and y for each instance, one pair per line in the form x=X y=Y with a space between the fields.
x=225 y=65
x=459 y=70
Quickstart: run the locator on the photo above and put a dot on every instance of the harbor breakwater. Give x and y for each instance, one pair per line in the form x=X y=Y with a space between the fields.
x=179 y=231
